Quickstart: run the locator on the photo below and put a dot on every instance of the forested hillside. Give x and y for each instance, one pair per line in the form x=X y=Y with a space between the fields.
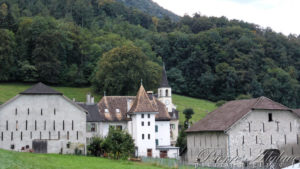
x=73 y=42
x=151 y=8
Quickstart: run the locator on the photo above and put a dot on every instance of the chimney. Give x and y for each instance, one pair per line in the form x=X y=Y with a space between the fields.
x=88 y=98
x=92 y=100
x=129 y=104
x=150 y=94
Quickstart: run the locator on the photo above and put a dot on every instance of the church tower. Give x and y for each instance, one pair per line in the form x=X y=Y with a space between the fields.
x=165 y=91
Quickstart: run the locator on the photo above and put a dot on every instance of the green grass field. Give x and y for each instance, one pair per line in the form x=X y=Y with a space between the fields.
x=16 y=160
x=201 y=107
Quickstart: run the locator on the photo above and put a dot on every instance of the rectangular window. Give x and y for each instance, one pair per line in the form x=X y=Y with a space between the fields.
x=54 y=111
x=28 y=111
x=156 y=142
x=270 y=117
x=26 y=125
x=40 y=135
x=1 y=136
x=49 y=135
x=68 y=135
x=58 y=135
x=284 y=139
x=41 y=112
x=263 y=125
x=35 y=125
x=77 y=135
x=297 y=139
x=93 y=127
x=30 y=135
x=63 y=125
x=256 y=140
x=72 y=124
x=6 y=125
x=148 y=123
x=21 y=136
x=142 y=123
x=119 y=127
x=12 y=136
x=16 y=111
x=277 y=126
x=271 y=139
x=45 y=124
x=148 y=116
x=17 y=126
x=156 y=128
x=290 y=126
x=142 y=115
x=54 y=125
x=148 y=136
x=243 y=140
x=143 y=136
x=249 y=126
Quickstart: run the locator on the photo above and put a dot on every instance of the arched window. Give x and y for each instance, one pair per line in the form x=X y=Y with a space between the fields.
x=167 y=92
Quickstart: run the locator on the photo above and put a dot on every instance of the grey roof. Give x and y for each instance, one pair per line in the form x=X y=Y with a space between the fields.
x=164 y=79
x=93 y=112
x=40 y=89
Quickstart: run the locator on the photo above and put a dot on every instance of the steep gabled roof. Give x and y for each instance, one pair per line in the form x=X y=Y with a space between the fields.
x=142 y=102
x=164 y=79
x=224 y=117
x=40 y=89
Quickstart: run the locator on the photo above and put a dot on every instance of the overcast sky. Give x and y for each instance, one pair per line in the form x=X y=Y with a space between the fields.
x=281 y=15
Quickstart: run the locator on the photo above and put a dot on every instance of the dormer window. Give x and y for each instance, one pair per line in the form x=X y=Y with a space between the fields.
x=118 y=110
x=106 y=110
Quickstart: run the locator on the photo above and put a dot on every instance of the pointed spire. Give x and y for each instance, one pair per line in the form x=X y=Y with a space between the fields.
x=142 y=102
x=164 y=79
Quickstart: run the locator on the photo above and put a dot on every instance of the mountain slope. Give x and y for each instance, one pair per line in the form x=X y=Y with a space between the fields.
x=150 y=7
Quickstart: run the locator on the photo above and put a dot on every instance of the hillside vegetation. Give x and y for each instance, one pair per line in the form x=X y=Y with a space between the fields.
x=64 y=42
x=151 y=8
x=16 y=160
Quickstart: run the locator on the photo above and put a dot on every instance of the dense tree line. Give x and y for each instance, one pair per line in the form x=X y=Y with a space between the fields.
x=64 y=41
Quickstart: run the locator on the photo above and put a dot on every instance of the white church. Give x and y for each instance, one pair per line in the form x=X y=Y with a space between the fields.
x=43 y=120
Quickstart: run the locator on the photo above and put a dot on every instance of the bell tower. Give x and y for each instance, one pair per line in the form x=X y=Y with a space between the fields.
x=165 y=91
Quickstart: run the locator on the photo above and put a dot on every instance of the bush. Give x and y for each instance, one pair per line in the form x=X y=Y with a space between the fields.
x=220 y=103
x=118 y=144
x=95 y=147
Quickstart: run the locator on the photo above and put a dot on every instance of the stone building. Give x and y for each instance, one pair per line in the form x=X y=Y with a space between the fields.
x=44 y=120
x=143 y=116
x=245 y=131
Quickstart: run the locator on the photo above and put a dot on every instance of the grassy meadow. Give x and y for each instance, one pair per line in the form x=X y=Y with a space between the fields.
x=17 y=160
x=201 y=107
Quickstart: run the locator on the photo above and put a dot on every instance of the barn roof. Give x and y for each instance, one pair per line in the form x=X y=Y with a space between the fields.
x=224 y=117
x=40 y=89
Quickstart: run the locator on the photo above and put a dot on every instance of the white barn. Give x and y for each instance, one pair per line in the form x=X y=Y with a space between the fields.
x=43 y=120
x=247 y=132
